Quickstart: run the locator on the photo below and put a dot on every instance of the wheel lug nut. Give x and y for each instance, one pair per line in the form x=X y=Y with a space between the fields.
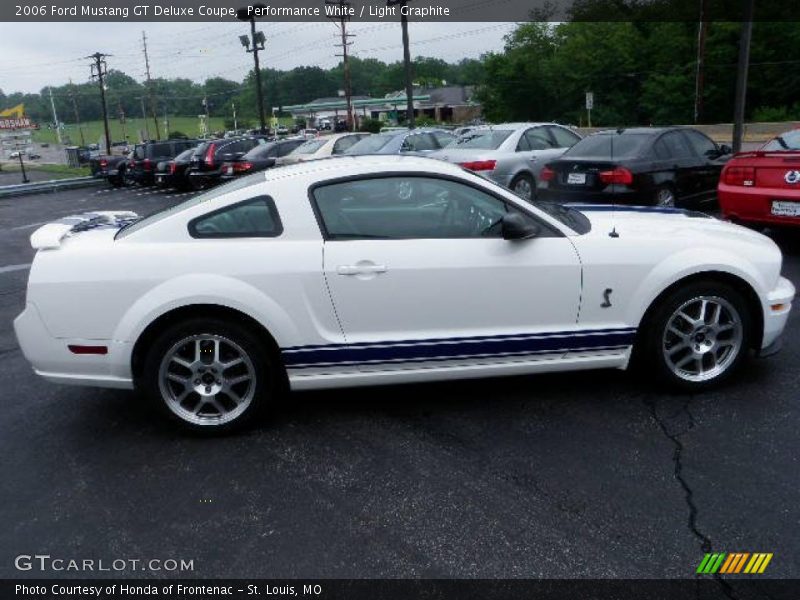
x=208 y=389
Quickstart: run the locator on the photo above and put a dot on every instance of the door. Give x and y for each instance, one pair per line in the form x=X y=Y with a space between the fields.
x=420 y=275
x=707 y=165
x=680 y=163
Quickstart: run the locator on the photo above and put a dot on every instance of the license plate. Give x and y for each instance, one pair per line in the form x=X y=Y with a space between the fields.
x=576 y=178
x=786 y=209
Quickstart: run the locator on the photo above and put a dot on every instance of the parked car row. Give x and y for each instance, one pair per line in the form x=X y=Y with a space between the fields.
x=657 y=166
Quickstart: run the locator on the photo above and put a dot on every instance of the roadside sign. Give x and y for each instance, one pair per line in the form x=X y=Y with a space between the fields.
x=589 y=100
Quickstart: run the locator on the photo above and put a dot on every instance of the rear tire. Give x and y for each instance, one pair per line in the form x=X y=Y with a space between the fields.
x=210 y=376
x=696 y=337
x=523 y=185
x=665 y=197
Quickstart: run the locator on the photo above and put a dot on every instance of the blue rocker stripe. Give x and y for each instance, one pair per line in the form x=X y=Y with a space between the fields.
x=454 y=348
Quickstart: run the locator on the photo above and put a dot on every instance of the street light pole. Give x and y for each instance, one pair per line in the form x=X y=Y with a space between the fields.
x=406 y=63
x=258 y=41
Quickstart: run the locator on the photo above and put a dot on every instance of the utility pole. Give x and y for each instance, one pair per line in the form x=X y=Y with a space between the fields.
x=343 y=17
x=75 y=109
x=741 y=75
x=99 y=71
x=122 y=120
x=144 y=120
x=235 y=123
x=55 y=116
x=701 y=59
x=150 y=85
x=258 y=42
x=406 y=62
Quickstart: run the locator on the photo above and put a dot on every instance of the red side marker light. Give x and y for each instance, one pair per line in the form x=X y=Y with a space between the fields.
x=75 y=349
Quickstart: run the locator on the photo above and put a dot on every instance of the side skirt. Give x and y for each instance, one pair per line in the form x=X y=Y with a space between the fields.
x=610 y=359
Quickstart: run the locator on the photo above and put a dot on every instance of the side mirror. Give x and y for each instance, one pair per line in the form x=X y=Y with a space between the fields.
x=725 y=149
x=516 y=226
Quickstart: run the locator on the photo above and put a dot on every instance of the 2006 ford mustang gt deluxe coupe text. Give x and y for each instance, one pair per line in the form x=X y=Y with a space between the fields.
x=387 y=269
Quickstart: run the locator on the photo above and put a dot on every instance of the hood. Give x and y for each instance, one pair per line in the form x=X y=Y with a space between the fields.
x=90 y=225
x=653 y=222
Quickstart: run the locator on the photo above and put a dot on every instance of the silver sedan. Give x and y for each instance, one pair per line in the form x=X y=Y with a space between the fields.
x=511 y=154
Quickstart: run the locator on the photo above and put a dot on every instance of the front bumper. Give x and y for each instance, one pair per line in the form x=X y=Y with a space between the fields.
x=51 y=358
x=776 y=313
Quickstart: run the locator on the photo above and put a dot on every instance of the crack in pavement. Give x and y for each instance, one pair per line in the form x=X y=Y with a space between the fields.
x=677 y=458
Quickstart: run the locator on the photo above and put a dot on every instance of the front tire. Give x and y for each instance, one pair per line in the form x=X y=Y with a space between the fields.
x=209 y=375
x=697 y=336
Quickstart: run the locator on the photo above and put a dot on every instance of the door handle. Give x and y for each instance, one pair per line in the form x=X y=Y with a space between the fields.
x=360 y=269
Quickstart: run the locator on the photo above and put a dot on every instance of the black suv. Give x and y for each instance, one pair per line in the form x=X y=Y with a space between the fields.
x=145 y=157
x=259 y=158
x=205 y=169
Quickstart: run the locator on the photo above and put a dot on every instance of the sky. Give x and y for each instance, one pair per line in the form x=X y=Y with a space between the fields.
x=41 y=54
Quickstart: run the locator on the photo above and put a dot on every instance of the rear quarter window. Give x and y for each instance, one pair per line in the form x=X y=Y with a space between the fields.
x=257 y=217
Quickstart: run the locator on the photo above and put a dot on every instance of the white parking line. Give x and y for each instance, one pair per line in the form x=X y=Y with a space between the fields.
x=11 y=268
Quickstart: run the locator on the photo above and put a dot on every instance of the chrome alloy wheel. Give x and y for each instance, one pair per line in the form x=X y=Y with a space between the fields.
x=207 y=380
x=702 y=338
x=665 y=197
x=523 y=189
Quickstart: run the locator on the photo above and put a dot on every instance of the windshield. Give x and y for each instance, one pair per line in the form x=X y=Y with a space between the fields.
x=369 y=144
x=309 y=147
x=261 y=151
x=483 y=140
x=185 y=155
x=609 y=145
x=786 y=141
x=236 y=184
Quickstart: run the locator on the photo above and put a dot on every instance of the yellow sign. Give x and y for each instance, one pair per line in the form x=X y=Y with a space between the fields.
x=15 y=112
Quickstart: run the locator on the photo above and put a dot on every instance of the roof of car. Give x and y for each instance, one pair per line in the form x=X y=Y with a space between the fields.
x=639 y=130
x=509 y=126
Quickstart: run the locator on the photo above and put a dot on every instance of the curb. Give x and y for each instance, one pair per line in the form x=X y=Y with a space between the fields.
x=52 y=185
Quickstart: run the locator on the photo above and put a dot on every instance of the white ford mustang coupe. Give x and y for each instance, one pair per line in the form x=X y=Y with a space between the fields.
x=386 y=269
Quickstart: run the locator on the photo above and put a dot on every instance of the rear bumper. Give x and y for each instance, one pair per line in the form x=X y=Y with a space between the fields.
x=51 y=358
x=754 y=205
x=204 y=178
x=776 y=313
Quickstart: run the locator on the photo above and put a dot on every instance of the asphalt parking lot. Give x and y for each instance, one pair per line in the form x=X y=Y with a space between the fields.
x=559 y=476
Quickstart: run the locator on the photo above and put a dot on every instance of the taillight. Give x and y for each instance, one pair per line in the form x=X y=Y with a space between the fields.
x=146 y=165
x=618 y=175
x=479 y=165
x=103 y=163
x=209 y=159
x=172 y=168
x=546 y=174
x=241 y=167
x=740 y=176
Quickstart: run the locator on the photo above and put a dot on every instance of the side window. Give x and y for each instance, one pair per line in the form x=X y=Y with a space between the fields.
x=701 y=144
x=157 y=150
x=523 y=145
x=407 y=207
x=257 y=217
x=564 y=137
x=538 y=139
x=677 y=145
x=344 y=143
x=419 y=142
x=662 y=149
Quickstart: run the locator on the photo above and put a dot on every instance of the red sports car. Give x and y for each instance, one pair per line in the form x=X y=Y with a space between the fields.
x=763 y=187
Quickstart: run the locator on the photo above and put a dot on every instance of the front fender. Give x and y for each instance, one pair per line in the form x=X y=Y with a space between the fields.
x=683 y=264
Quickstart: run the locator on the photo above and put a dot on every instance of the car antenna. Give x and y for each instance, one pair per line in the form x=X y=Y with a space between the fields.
x=613 y=233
